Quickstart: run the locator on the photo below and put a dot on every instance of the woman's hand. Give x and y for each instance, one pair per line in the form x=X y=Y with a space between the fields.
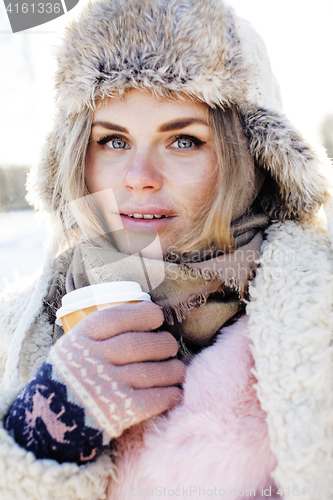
x=105 y=375
x=116 y=364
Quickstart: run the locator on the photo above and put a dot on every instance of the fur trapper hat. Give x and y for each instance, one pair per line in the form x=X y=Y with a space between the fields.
x=171 y=47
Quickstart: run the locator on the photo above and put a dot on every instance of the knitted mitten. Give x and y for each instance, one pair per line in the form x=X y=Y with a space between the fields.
x=96 y=382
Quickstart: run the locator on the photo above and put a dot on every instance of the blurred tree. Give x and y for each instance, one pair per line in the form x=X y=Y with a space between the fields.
x=12 y=188
x=326 y=131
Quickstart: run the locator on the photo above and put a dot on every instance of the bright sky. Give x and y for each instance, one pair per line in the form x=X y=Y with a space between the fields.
x=298 y=35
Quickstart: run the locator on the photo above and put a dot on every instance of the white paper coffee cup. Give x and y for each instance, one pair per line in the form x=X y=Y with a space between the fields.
x=80 y=303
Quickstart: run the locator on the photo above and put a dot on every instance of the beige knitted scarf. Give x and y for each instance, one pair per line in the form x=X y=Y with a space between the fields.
x=198 y=292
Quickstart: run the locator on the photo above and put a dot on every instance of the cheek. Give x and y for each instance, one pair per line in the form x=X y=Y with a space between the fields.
x=101 y=189
x=98 y=174
x=198 y=186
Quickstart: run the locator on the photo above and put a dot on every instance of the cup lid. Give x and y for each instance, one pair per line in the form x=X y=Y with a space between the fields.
x=103 y=293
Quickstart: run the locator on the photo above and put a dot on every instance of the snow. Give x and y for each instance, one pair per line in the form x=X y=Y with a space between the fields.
x=21 y=245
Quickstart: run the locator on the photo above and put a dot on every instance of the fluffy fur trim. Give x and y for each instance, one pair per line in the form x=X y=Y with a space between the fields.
x=291 y=325
x=297 y=184
x=175 y=47
x=165 y=46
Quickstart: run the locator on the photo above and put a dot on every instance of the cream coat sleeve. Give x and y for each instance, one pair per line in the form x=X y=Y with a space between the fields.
x=22 y=476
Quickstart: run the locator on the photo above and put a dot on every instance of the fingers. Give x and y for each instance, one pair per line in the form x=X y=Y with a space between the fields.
x=158 y=400
x=110 y=322
x=144 y=404
x=146 y=375
x=134 y=347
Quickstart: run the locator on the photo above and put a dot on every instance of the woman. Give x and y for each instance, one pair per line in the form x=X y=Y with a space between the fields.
x=169 y=124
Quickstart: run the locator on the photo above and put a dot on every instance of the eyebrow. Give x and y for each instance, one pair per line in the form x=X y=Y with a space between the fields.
x=178 y=124
x=166 y=127
x=111 y=126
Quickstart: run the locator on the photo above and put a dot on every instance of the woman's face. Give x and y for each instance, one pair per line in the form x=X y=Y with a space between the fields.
x=157 y=157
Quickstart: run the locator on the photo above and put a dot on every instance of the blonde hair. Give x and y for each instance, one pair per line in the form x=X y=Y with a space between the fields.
x=210 y=229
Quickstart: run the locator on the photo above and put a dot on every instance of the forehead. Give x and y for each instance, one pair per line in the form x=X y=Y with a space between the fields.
x=144 y=103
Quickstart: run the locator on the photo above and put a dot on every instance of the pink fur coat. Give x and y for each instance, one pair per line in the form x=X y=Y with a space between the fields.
x=214 y=442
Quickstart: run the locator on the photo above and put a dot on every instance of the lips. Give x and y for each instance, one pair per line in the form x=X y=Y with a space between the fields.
x=150 y=218
x=147 y=216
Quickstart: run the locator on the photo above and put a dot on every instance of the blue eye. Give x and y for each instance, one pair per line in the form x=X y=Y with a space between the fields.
x=114 y=142
x=184 y=143
x=118 y=144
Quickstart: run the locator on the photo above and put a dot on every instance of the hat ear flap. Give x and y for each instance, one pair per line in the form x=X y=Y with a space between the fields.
x=297 y=185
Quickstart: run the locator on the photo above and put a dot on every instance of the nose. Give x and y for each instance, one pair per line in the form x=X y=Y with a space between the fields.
x=143 y=172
